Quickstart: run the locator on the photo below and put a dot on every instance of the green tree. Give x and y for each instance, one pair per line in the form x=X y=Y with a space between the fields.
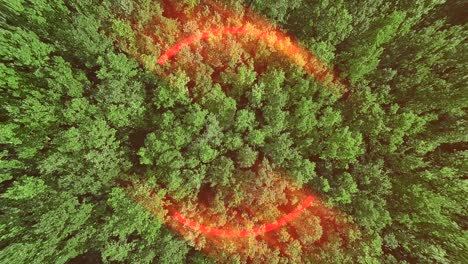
x=246 y=157
x=364 y=52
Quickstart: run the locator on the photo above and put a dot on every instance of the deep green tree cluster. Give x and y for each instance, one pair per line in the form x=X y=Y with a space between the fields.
x=90 y=122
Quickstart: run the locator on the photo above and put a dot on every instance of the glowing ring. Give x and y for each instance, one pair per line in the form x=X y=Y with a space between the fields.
x=224 y=31
x=292 y=49
x=246 y=232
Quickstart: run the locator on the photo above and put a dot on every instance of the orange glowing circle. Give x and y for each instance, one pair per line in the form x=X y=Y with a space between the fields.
x=313 y=66
x=291 y=48
x=246 y=232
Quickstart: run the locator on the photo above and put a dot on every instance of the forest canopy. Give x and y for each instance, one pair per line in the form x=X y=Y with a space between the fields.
x=100 y=143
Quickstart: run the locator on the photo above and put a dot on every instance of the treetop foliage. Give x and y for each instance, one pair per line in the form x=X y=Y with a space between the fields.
x=99 y=142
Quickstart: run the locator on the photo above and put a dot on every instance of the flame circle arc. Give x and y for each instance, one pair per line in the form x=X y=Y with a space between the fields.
x=246 y=232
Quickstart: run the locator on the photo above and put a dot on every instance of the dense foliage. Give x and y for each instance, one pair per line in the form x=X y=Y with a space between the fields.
x=89 y=121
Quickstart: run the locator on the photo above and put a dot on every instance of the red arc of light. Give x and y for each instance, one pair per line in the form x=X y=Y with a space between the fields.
x=310 y=62
x=224 y=31
x=292 y=50
x=246 y=232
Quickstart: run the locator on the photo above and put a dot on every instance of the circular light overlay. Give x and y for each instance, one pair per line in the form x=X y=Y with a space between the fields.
x=291 y=49
x=246 y=232
x=225 y=31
